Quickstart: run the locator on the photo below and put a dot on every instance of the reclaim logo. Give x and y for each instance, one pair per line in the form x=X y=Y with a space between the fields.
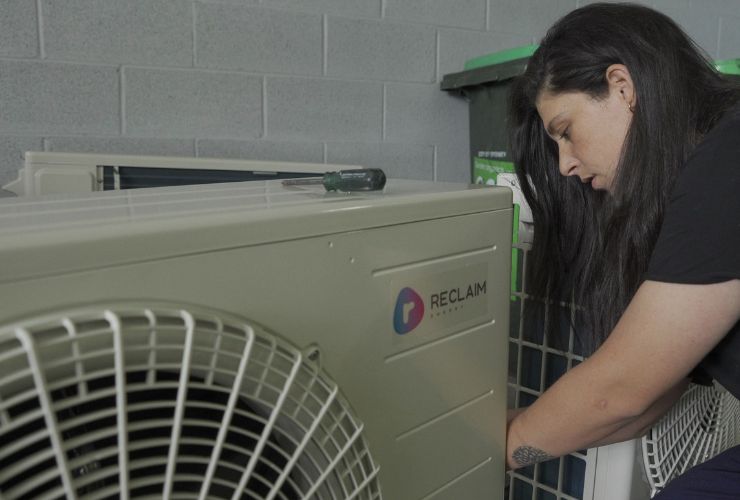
x=454 y=296
x=409 y=311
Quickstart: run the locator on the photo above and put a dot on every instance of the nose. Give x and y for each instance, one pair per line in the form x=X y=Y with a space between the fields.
x=567 y=162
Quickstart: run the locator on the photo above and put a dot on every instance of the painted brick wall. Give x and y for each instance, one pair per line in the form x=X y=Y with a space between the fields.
x=350 y=81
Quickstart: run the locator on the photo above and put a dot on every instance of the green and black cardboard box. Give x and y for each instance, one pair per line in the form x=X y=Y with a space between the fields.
x=485 y=85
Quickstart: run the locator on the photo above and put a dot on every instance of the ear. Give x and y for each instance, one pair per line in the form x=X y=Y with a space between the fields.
x=620 y=81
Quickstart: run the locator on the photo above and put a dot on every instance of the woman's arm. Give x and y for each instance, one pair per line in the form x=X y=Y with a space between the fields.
x=664 y=333
x=636 y=428
x=640 y=426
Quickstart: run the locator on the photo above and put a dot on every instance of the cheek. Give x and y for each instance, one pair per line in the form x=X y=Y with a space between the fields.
x=618 y=125
x=607 y=144
x=617 y=140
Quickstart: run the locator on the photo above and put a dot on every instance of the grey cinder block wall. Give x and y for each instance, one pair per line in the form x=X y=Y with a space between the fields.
x=337 y=81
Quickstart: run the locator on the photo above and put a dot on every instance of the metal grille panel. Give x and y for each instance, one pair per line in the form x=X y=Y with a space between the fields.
x=133 y=402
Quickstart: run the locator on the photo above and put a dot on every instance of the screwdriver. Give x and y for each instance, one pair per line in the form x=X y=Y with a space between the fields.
x=361 y=179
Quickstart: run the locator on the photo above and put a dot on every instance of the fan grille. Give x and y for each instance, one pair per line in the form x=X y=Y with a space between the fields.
x=702 y=424
x=171 y=403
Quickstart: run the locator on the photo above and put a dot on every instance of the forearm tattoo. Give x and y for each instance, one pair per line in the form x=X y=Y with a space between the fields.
x=528 y=455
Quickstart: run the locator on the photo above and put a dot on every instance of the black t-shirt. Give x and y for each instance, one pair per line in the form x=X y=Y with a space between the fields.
x=699 y=242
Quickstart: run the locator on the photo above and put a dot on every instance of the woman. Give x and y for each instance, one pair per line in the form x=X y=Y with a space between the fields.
x=627 y=145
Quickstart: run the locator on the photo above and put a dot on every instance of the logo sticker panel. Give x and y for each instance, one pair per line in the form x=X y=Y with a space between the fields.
x=408 y=312
x=428 y=303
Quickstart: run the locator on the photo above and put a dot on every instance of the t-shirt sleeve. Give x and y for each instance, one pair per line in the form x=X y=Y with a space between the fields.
x=699 y=241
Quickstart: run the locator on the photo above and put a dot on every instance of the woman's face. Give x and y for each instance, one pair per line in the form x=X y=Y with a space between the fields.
x=589 y=133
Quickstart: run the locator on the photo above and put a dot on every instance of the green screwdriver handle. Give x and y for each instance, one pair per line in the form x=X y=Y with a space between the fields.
x=362 y=179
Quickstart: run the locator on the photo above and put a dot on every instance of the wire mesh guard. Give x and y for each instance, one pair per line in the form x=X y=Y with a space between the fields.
x=537 y=359
x=702 y=424
x=165 y=403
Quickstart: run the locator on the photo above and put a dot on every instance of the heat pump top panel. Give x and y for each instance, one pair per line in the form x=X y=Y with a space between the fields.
x=225 y=215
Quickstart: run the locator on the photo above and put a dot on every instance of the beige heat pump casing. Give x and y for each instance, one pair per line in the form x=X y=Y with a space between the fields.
x=326 y=274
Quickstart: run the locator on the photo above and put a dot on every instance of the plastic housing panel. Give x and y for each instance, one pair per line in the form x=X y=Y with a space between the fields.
x=322 y=271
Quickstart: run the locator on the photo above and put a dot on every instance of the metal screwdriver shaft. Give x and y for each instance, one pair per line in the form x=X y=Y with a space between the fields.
x=362 y=179
x=306 y=181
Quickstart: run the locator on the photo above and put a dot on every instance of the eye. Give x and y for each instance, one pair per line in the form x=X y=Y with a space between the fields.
x=565 y=134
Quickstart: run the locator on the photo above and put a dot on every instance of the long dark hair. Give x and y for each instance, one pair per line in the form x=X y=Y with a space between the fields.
x=592 y=248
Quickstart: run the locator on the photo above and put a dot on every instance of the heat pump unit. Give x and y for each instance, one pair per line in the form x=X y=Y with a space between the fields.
x=255 y=341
